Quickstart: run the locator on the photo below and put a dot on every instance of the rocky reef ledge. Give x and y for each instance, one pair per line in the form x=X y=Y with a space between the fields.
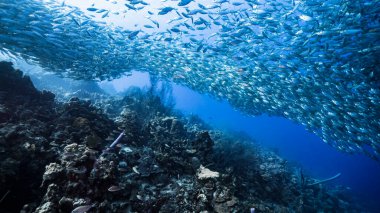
x=57 y=157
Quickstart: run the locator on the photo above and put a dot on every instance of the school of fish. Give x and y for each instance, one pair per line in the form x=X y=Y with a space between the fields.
x=315 y=62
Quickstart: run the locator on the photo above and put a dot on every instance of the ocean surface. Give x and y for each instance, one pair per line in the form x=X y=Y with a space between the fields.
x=301 y=78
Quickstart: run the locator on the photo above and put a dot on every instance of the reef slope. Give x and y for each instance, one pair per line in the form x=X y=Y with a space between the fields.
x=56 y=157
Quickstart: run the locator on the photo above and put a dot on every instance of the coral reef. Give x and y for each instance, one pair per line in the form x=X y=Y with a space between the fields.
x=34 y=129
x=58 y=157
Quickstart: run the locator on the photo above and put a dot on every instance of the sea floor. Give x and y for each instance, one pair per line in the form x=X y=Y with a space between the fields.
x=57 y=157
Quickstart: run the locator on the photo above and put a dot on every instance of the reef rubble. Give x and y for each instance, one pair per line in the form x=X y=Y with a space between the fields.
x=56 y=157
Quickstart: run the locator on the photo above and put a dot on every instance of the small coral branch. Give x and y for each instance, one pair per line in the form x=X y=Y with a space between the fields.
x=5 y=195
x=117 y=140
x=105 y=150
x=325 y=180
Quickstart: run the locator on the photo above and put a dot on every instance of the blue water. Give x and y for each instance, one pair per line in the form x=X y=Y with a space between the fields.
x=274 y=54
x=293 y=142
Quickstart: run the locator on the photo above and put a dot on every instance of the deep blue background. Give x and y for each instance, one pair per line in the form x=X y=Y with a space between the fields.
x=293 y=142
